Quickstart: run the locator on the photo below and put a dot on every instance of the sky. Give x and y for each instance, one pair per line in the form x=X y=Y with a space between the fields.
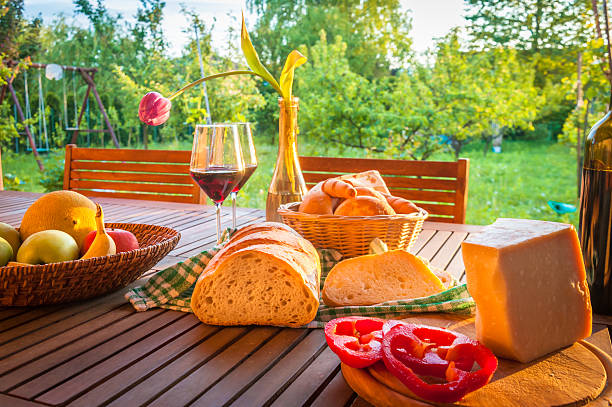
x=430 y=18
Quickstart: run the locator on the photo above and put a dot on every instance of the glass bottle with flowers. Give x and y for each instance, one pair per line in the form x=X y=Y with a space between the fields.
x=287 y=183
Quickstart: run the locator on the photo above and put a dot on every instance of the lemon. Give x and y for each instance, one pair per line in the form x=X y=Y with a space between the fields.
x=67 y=211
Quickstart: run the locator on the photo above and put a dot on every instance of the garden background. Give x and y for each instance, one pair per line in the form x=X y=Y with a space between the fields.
x=530 y=72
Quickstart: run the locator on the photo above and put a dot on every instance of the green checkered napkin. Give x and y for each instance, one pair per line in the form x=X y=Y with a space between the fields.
x=172 y=288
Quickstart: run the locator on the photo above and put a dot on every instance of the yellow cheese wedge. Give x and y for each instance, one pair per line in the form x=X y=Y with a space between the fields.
x=528 y=280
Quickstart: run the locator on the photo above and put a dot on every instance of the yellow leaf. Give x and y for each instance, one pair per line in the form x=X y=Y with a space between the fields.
x=294 y=60
x=253 y=59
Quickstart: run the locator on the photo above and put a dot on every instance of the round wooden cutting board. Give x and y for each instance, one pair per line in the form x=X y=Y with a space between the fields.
x=572 y=376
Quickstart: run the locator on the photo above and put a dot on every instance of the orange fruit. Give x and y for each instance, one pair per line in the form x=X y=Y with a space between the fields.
x=67 y=211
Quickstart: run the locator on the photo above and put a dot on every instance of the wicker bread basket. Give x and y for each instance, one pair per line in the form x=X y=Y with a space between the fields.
x=80 y=279
x=351 y=235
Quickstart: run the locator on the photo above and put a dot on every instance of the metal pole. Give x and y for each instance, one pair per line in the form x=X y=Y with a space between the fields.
x=25 y=126
x=92 y=85
x=208 y=118
x=75 y=133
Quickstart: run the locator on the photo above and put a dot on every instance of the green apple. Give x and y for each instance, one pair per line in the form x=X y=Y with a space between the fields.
x=6 y=252
x=48 y=246
x=11 y=235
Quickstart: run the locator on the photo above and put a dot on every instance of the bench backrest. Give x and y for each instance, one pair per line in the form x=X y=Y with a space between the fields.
x=158 y=175
x=440 y=187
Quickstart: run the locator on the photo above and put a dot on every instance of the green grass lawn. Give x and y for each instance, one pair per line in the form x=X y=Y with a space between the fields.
x=516 y=183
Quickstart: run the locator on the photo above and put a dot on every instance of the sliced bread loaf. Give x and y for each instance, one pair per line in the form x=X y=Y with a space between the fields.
x=262 y=284
x=377 y=278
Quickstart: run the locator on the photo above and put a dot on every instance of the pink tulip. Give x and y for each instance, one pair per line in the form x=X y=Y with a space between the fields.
x=154 y=109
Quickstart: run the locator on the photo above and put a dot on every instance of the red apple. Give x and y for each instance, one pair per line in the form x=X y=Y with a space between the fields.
x=124 y=240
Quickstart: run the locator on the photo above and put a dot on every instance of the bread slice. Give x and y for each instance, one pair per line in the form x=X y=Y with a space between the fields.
x=261 y=284
x=377 y=278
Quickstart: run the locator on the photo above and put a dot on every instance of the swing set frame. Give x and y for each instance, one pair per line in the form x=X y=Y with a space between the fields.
x=88 y=76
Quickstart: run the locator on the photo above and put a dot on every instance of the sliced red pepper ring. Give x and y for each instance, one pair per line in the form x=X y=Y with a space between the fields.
x=426 y=349
x=399 y=339
x=356 y=340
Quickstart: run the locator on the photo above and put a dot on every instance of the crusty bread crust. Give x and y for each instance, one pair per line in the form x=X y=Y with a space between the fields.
x=261 y=226
x=271 y=236
x=259 y=285
x=261 y=270
x=364 y=206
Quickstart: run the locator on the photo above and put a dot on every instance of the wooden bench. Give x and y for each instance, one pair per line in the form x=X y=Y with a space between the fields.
x=440 y=187
x=157 y=175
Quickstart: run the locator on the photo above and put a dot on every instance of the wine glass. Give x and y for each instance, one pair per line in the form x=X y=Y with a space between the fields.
x=216 y=164
x=250 y=161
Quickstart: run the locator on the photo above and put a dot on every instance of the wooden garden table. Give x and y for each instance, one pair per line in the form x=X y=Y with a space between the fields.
x=102 y=352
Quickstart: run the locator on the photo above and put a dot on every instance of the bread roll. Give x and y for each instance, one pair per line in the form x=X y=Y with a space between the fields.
x=376 y=278
x=318 y=202
x=401 y=205
x=364 y=206
x=338 y=188
x=266 y=275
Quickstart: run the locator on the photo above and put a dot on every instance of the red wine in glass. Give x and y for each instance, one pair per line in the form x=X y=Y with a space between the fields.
x=218 y=182
x=248 y=171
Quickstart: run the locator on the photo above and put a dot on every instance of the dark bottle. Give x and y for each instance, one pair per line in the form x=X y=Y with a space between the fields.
x=596 y=214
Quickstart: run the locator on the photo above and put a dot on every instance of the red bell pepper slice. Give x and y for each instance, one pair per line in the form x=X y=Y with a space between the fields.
x=409 y=349
x=426 y=353
x=356 y=340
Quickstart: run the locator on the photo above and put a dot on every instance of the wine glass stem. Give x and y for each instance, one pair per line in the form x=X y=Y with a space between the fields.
x=218 y=208
x=234 y=210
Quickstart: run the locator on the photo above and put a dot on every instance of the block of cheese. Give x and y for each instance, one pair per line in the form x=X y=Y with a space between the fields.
x=528 y=280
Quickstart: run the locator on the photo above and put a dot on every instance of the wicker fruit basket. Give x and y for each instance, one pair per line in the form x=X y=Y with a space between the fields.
x=351 y=235
x=80 y=279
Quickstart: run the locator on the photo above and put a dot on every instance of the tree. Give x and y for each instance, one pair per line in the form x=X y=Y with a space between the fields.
x=550 y=35
x=376 y=32
x=338 y=105
x=463 y=95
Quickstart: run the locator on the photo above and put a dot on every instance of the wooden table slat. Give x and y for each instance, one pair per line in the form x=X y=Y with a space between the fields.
x=80 y=382
x=164 y=378
x=192 y=386
x=336 y=393
x=51 y=333
x=94 y=355
x=129 y=377
x=124 y=319
x=434 y=245
x=65 y=315
x=233 y=384
x=422 y=240
x=277 y=378
x=448 y=251
x=308 y=384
